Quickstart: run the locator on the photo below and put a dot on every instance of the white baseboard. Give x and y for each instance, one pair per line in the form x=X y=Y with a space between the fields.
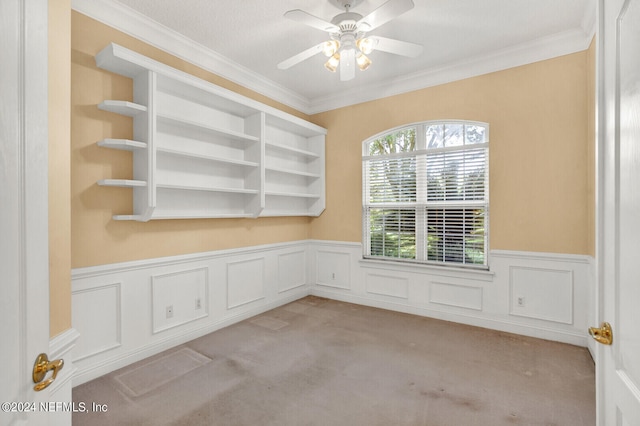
x=543 y=295
x=121 y=310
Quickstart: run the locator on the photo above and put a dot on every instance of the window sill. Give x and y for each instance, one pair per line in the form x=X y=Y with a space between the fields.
x=446 y=271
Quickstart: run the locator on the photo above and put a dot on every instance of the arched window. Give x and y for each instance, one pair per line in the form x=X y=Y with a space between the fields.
x=425 y=193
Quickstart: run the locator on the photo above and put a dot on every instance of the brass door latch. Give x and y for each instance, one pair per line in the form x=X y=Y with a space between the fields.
x=40 y=369
x=603 y=335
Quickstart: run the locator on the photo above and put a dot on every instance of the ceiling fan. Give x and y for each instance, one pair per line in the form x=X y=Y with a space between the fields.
x=349 y=44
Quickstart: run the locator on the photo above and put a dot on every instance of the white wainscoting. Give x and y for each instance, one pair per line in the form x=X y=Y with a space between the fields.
x=542 y=295
x=120 y=310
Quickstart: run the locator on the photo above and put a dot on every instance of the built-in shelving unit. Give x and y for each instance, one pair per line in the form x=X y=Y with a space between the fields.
x=202 y=151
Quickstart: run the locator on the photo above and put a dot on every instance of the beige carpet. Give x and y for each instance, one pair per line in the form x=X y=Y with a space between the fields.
x=322 y=362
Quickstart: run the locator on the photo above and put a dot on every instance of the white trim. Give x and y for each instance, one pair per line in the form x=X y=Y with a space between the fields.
x=141 y=27
x=493 y=323
x=134 y=265
x=556 y=45
x=551 y=257
x=133 y=23
x=61 y=346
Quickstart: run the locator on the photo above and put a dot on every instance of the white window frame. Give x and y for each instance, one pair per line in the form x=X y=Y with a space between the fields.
x=421 y=152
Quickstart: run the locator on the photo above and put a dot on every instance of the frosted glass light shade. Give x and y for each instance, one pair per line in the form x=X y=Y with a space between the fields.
x=332 y=63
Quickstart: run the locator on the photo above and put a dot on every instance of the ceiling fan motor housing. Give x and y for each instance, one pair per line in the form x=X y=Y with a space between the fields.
x=348 y=22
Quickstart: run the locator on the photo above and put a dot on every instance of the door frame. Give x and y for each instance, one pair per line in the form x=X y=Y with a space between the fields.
x=24 y=251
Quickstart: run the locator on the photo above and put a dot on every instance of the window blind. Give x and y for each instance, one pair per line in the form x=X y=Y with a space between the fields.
x=425 y=198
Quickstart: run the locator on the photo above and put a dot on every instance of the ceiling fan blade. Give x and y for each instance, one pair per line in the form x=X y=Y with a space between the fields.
x=385 y=13
x=310 y=20
x=347 y=64
x=305 y=54
x=397 y=47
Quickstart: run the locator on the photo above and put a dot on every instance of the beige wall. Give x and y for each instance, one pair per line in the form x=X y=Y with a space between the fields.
x=540 y=157
x=96 y=238
x=59 y=169
x=541 y=162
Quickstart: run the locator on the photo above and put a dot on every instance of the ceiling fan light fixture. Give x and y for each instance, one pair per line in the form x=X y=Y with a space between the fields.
x=330 y=47
x=333 y=62
x=365 y=45
x=362 y=61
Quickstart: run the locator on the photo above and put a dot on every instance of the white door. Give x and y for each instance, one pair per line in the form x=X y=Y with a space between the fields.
x=24 y=276
x=618 y=364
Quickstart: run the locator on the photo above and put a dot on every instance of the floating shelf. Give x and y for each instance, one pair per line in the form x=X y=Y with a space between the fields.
x=201 y=151
x=122 y=107
x=123 y=183
x=123 y=144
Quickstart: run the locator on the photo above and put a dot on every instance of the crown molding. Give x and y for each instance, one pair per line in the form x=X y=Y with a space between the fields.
x=135 y=24
x=553 y=46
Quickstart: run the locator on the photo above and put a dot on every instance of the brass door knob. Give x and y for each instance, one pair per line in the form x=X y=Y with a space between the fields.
x=40 y=369
x=603 y=335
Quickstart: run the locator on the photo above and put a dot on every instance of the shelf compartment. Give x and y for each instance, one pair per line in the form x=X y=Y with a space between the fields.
x=122 y=107
x=291 y=149
x=206 y=189
x=292 y=172
x=181 y=153
x=122 y=183
x=209 y=128
x=290 y=194
x=122 y=144
x=182 y=202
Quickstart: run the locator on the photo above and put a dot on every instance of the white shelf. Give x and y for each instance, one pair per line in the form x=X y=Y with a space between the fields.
x=292 y=150
x=201 y=151
x=122 y=144
x=202 y=215
x=209 y=128
x=178 y=152
x=206 y=188
x=293 y=172
x=122 y=107
x=291 y=194
x=127 y=217
x=123 y=183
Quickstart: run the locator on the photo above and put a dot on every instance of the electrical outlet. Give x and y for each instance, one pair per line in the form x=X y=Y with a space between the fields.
x=520 y=301
x=169 y=311
x=198 y=303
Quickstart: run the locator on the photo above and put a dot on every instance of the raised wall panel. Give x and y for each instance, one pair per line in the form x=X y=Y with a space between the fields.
x=455 y=295
x=291 y=270
x=333 y=269
x=186 y=292
x=545 y=294
x=387 y=285
x=100 y=328
x=245 y=282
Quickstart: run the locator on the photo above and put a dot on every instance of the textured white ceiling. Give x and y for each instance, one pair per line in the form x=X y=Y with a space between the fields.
x=255 y=35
